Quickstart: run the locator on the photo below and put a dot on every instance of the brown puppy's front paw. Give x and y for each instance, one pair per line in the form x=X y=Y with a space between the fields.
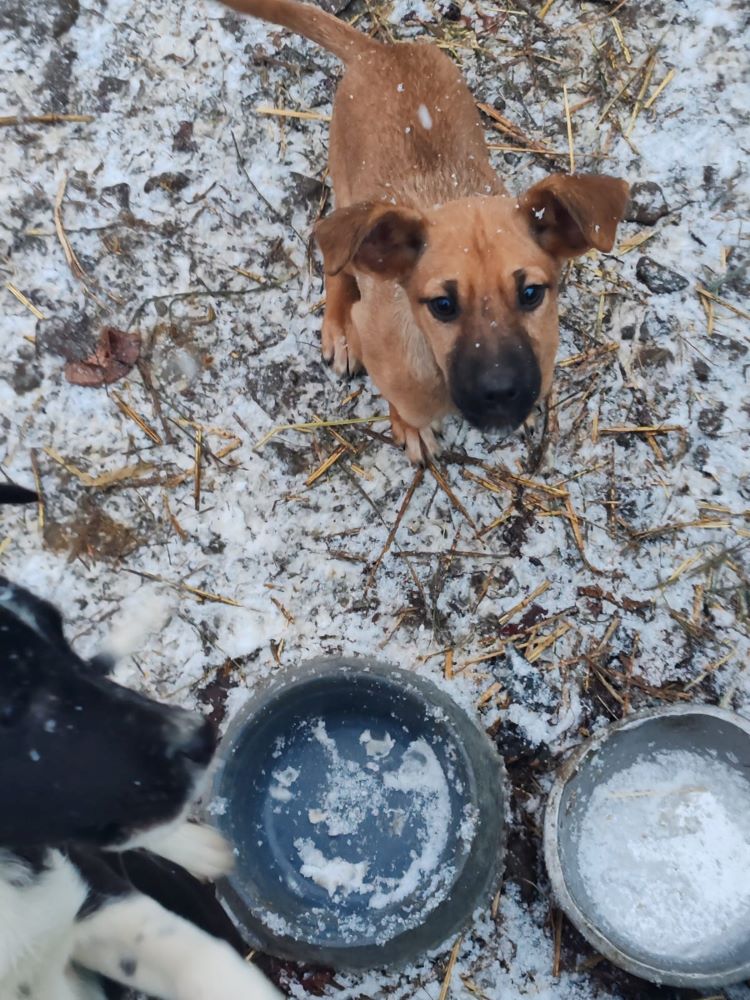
x=535 y=419
x=337 y=352
x=333 y=346
x=354 y=365
x=420 y=444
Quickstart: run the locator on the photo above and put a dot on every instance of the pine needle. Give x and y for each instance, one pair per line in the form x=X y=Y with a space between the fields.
x=449 y=970
x=73 y=262
x=130 y=413
x=445 y=487
x=49 y=119
x=621 y=40
x=308 y=116
x=545 y=9
x=664 y=83
x=512 y=612
x=705 y=294
x=106 y=478
x=569 y=124
x=202 y=595
x=314 y=425
x=24 y=300
x=327 y=464
x=408 y=496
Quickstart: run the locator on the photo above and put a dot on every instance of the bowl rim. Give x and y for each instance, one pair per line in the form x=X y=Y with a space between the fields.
x=597 y=938
x=476 y=746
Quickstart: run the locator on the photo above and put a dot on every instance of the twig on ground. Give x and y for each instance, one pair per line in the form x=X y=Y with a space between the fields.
x=48 y=119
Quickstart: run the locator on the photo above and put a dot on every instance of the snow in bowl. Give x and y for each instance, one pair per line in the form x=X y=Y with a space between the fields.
x=367 y=811
x=647 y=843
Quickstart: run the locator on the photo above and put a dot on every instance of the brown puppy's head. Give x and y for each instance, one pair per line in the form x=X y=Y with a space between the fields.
x=481 y=276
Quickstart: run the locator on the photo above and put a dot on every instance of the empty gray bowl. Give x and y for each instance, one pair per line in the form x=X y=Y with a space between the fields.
x=722 y=739
x=367 y=811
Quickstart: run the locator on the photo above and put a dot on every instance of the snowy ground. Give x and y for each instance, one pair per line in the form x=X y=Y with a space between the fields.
x=190 y=213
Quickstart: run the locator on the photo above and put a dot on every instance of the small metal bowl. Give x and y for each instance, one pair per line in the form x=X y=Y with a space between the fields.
x=713 y=732
x=283 y=794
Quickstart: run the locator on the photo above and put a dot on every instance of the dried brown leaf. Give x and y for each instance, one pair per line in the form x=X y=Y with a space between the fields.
x=114 y=355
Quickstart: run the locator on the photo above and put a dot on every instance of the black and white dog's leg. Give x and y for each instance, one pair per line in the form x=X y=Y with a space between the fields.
x=138 y=943
x=198 y=848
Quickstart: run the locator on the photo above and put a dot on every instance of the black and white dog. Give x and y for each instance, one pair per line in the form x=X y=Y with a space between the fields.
x=95 y=783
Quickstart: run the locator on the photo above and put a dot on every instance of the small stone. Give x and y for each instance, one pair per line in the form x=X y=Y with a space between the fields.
x=659 y=279
x=68 y=335
x=233 y=24
x=711 y=419
x=58 y=79
x=652 y=356
x=293 y=462
x=735 y=350
x=66 y=18
x=647 y=204
x=26 y=376
x=701 y=456
x=701 y=369
x=307 y=189
x=738 y=273
x=168 y=181
x=513 y=743
x=119 y=193
x=656 y=328
x=108 y=86
x=183 y=141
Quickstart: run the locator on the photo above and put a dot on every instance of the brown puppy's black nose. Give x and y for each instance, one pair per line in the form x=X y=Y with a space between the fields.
x=495 y=385
x=499 y=386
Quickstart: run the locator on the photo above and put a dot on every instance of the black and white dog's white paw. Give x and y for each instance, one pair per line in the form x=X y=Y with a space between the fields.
x=198 y=848
x=137 y=942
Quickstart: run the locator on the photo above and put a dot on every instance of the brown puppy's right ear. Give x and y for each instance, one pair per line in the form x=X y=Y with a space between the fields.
x=570 y=214
x=379 y=239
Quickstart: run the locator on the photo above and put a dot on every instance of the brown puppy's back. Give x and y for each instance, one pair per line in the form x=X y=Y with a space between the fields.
x=406 y=127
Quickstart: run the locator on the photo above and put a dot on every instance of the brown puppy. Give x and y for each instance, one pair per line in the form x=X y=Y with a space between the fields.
x=441 y=284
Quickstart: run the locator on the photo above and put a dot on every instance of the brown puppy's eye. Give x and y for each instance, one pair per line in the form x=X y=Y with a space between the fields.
x=531 y=296
x=444 y=308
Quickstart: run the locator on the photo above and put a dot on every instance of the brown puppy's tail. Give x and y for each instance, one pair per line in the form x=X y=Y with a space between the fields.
x=326 y=30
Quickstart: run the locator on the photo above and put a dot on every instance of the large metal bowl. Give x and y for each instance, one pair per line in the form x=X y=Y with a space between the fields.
x=274 y=775
x=713 y=732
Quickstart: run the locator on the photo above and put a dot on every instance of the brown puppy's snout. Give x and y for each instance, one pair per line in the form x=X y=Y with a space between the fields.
x=495 y=386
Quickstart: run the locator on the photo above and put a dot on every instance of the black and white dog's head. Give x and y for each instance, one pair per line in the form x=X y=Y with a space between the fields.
x=89 y=770
x=83 y=759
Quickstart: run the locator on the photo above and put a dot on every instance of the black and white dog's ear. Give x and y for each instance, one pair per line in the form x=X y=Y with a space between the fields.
x=10 y=493
x=39 y=615
x=102 y=664
x=46 y=621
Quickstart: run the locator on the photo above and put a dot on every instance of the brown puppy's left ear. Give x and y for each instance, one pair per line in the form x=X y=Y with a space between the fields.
x=379 y=239
x=572 y=213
